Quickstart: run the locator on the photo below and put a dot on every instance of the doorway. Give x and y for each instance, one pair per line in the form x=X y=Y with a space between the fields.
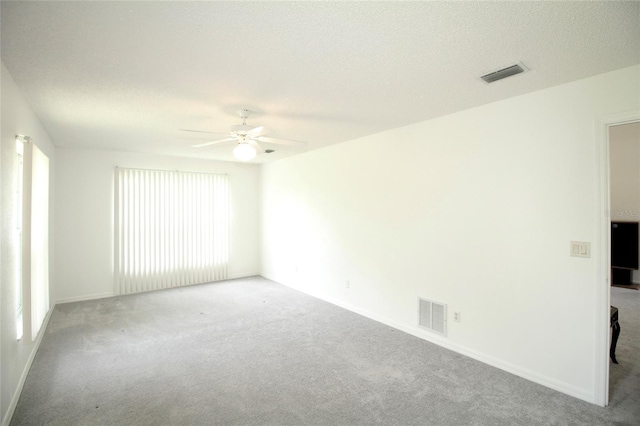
x=624 y=211
x=608 y=127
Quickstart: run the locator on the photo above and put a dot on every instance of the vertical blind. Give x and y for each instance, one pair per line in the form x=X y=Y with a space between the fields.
x=171 y=229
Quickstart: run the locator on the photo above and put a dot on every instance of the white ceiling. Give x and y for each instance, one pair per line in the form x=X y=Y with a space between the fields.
x=128 y=75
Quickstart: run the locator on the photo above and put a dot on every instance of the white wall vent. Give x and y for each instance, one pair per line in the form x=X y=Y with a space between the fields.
x=432 y=316
x=504 y=73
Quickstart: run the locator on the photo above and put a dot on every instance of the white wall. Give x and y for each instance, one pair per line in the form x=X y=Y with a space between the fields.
x=625 y=171
x=84 y=212
x=476 y=210
x=17 y=118
x=624 y=160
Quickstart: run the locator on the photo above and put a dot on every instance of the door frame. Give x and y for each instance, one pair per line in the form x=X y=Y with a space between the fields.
x=603 y=266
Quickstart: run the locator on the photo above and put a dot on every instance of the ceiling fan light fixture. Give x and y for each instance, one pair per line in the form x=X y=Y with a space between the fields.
x=244 y=152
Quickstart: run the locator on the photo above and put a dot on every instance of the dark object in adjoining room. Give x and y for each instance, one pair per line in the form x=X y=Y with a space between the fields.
x=624 y=251
x=615 y=327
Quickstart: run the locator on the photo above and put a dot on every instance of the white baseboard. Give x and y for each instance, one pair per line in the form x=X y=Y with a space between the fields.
x=23 y=377
x=524 y=373
x=86 y=297
x=238 y=276
x=112 y=294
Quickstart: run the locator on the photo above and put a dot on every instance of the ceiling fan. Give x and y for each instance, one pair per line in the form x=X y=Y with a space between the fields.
x=247 y=138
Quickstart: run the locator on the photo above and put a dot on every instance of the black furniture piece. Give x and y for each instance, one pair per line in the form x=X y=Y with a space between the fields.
x=624 y=252
x=616 y=333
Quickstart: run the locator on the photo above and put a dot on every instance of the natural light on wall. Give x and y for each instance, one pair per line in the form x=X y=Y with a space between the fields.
x=171 y=229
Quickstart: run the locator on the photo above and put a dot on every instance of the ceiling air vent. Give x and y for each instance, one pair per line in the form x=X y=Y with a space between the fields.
x=504 y=73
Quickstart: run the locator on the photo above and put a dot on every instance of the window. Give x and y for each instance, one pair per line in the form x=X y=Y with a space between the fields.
x=34 y=229
x=18 y=237
x=171 y=229
x=38 y=248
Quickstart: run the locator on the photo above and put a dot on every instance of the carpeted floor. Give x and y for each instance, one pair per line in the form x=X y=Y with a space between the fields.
x=253 y=352
x=624 y=378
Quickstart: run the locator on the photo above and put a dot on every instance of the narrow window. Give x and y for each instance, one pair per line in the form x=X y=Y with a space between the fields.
x=35 y=237
x=18 y=238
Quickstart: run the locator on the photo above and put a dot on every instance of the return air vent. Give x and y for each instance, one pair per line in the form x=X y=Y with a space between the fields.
x=504 y=73
x=432 y=316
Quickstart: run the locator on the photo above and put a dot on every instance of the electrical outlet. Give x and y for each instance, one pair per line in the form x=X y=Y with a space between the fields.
x=347 y=284
x=456 y=316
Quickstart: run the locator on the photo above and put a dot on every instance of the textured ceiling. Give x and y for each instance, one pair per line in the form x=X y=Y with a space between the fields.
x=128 y=75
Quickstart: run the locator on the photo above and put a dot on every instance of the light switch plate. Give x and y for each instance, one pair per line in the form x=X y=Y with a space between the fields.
x=580 y=249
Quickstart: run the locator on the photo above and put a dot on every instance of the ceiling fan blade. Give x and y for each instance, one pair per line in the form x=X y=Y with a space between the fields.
x=243 y=129
x=202 y=131
x=255 y=131
x=255 y=144
x=200 y=145
x=289 y=142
